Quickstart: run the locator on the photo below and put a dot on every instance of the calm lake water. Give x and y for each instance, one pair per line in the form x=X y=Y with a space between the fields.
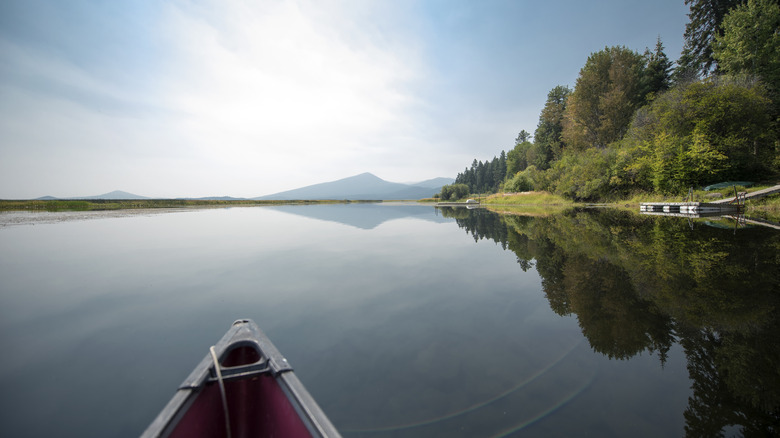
x=401 y=320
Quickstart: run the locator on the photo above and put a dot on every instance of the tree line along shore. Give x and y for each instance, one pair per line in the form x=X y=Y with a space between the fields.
x=639 y=125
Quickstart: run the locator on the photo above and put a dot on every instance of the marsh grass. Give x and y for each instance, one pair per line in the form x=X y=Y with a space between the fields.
x=114 y=204
x=67 y=206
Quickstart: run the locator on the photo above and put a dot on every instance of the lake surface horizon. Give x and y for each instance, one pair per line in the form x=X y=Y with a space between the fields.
x=401 y=320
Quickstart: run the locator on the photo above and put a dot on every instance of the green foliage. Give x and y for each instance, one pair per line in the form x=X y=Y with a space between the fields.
x=528 y=180
x=485 y=177
x=705 y=18
x=454 y=192
x=516 y=159
x=608 y=91
x=625 y=129
x=669 y=173
x=657 y=75
x=694 y=134
x=750 y=42
x=582 y=175
x=632 y=169
x=522 y=137
x=538 y=155
x=521 y=182
x=547 y=137
x=699 y=133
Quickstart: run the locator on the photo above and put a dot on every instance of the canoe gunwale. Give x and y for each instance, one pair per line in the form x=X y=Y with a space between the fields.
x=243 y=333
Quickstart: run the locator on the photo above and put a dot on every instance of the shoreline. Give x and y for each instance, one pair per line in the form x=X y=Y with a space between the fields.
x=135 y=204
x=31 y=212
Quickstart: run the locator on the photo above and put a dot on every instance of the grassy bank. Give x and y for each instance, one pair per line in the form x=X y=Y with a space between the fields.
x=767 y=208
x=697 y=195
x=527 y=198
x=114 y=204
x=546 y=198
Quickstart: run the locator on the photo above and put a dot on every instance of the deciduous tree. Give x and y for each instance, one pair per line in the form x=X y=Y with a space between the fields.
x=705 y=132
x=516 y=160
x=750 y=42
x=607 y=92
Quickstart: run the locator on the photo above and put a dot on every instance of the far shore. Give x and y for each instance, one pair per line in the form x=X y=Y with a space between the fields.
x=767 y=208
x=132 y=204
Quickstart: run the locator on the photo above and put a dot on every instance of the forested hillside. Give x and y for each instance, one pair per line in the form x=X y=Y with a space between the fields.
x=638 y=122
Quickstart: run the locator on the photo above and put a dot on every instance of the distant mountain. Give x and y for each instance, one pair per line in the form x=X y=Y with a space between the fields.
x=116 y=194
x=365 y=186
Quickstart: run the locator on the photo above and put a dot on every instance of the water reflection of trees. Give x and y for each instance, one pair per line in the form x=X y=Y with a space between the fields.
x=639 y=283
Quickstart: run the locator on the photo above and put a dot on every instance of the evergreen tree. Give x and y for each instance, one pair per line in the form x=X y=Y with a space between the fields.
x=522 y=137
x=657 y=76
x=484 y=177
x=480 y=177
x=499 y=171
x=705 y=18
x=547 y=137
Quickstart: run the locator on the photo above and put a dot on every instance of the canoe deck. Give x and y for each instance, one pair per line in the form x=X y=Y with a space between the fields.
x=255 y=388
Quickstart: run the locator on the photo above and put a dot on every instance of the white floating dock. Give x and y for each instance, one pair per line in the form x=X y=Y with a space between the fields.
x=687 y=207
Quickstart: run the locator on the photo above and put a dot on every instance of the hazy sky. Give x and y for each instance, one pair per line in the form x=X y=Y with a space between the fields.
x=247 y=97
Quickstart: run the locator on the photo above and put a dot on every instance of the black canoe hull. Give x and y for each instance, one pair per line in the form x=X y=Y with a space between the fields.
x=264 y=397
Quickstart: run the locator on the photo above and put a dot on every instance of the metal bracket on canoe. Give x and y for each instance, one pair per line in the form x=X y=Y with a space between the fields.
x=234 y=373
x=243 y=333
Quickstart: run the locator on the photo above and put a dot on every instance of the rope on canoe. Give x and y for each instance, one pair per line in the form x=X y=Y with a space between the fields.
x=221 y=389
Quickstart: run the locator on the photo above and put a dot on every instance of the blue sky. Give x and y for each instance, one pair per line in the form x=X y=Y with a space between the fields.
x=246 y=98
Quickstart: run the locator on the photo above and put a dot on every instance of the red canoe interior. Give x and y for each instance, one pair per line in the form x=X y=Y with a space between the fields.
x=257 y=407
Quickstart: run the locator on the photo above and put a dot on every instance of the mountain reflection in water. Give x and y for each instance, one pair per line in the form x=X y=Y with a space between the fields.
x=638 y=283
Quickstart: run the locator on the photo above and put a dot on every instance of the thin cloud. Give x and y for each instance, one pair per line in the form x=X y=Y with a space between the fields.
x=270 y=85
x=246 y=98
